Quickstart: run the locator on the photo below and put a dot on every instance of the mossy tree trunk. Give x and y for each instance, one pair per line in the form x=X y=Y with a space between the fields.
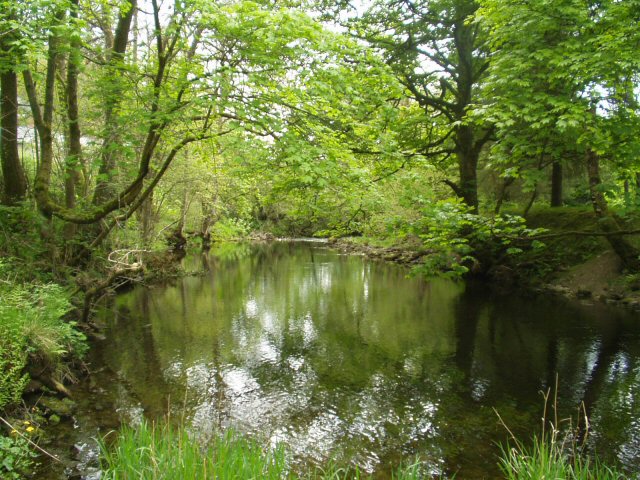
x=15 y=183
x=105 y=189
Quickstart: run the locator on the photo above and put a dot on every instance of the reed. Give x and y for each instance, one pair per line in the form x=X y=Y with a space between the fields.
x=556 y=453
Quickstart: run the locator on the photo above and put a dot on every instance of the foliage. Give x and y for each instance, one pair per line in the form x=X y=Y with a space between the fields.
x=16 y=456
x=32 y=326
x=460 y=241
x=562 y=83
x=20 y=237
x=13 y=360
x=229 y=229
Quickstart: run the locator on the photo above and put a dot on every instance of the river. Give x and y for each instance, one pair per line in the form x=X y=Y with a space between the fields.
x=349 y=359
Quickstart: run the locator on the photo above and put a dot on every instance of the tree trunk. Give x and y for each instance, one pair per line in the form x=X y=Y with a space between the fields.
x=15 y=183
x=534 y=196
x=467 y=167
x=176 y=240
x=556 y=185
x=74 y=163
x=208 y=218
x=43 y=120
x=506 y=183
x=147 y=220
x=105 y=188
x=466 y=149
x=607 y=222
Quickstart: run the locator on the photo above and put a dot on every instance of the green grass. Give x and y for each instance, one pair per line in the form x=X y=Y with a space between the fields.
x=555 y=454
x=154 y=452
x=165 y=452
x=550 y=459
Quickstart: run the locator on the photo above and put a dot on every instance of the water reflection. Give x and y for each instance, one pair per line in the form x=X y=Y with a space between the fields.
x=348 y=359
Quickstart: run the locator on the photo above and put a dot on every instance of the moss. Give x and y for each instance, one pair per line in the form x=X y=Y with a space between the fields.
x=59 y=407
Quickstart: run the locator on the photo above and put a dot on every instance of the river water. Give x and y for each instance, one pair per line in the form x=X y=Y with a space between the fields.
x=349 y=359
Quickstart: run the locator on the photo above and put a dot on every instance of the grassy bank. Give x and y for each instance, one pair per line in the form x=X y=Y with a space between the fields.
x=35 y=341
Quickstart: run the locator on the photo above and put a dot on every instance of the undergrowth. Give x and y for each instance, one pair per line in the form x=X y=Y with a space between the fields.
x=33 y=331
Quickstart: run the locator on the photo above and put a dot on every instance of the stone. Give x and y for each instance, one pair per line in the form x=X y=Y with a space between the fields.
x=63 y=408
x=583 y=293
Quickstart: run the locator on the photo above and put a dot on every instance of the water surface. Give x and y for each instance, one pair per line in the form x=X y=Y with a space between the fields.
x=344 y=358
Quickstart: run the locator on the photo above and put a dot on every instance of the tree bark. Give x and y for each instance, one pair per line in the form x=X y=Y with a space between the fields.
x=469 y=139
x=74 y=179
x=15 y=183
x=467 y=167
x=147 y=220
x=556 y=185
x=43 y=120
x=532 y=199
x=607 y=222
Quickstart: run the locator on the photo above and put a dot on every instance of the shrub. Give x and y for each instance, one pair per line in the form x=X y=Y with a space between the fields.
x=460 y=241
x=229 y=229
x=16 y=457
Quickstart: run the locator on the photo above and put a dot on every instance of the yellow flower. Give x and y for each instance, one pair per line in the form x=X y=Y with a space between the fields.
x=30 y=429
x=14 y=432
x=26 y=422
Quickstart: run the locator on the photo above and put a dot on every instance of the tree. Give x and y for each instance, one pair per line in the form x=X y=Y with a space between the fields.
x=15 y=184
x=562 y=67
x=439 y=55
x=134 y=99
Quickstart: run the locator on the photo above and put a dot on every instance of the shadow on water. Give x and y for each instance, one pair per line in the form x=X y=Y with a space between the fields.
x=347 y=359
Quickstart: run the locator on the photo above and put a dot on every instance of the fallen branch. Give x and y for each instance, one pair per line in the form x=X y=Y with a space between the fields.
x=122 y=264
x=576 y=233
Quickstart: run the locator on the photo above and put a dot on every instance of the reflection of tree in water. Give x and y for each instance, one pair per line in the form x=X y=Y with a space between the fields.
x=341 y=356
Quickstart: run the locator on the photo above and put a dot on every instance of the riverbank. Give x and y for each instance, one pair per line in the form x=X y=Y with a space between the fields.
x=593 y=275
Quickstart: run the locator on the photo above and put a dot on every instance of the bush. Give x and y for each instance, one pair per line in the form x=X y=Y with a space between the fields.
x=460 y=241
x=16 y=457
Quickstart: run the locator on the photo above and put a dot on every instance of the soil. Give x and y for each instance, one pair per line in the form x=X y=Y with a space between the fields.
x=600 y=278
x=595 y=277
